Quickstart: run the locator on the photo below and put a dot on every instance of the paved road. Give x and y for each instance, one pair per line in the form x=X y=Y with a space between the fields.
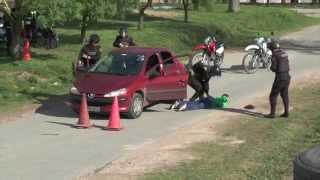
x=44 y=146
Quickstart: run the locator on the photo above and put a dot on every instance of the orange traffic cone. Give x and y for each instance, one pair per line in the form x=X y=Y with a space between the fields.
x=26 y=50
x=84 y=119
x=114 y=119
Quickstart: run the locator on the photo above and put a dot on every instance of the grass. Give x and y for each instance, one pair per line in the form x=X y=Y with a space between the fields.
x=49 y=72
x=269 y=149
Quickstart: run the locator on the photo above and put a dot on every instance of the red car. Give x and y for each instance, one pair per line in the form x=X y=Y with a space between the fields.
x=140 y=77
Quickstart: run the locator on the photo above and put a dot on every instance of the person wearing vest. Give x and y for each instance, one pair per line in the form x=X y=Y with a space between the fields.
x=123 y=39
x=91 y=52
x=280 y=66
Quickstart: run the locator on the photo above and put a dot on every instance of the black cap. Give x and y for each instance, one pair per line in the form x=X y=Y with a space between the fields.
x=94 y=38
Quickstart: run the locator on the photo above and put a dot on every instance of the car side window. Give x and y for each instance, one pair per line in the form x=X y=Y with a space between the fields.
x=152 y=62
x=167 y=58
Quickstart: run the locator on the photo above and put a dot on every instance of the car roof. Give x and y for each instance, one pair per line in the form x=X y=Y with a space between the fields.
x=140 y=50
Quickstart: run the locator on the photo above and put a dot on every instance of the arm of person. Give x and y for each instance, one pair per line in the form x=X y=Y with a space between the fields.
x=117 y=42
x=99 y=52
x=274 y=64
x=131 y=43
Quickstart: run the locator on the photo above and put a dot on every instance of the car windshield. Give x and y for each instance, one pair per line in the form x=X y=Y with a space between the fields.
x=119 y=64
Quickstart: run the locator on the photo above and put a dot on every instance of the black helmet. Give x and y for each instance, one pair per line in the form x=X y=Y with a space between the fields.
x=273 y=45
x=123 y=30
x=94 y=38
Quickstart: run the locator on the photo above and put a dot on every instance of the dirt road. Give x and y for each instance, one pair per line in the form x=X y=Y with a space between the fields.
x=45 y=145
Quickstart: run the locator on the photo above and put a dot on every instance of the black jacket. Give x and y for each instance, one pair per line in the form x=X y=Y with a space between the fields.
x=280 y=64
x=89 y=54
x=198 y=71
x=127 y=41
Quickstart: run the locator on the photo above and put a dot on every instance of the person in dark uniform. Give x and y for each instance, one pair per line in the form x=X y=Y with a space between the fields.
x=280 y=66
x=91 y=52
x=199 y=78
x=123 y=39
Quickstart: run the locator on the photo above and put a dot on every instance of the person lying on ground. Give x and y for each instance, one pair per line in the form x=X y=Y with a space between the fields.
x=204 y=103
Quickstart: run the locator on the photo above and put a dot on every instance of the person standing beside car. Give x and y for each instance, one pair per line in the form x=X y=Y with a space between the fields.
x=123 y=39
x=280 y=66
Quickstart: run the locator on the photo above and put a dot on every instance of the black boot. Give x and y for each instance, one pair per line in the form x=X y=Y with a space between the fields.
x=270 y=116
x=285 y=115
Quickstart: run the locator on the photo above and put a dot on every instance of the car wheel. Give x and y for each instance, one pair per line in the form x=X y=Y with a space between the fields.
x=307 y=165
x=136 y=106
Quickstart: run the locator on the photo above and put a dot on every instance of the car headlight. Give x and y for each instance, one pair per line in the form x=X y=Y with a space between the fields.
x=119 y=92
x=74 y=90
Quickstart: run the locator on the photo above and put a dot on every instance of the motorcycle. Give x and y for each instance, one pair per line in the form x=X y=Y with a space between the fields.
x=257 y=54
x=211 y=53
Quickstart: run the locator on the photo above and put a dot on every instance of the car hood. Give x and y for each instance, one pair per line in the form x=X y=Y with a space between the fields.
x=102 y=83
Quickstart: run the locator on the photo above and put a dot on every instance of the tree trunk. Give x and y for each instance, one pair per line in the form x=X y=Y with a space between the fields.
x=253 y=1
x=17 y=28
x=141 y=14
x=196 y=4
x=186 y=8
x=283 y=1
x=121 y=9
x=141 y=20
x=84 y=26
x=268 y=2
x=234 y=5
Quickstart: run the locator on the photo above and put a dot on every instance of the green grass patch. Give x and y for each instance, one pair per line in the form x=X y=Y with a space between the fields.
x=267 y=152
x=49 y=72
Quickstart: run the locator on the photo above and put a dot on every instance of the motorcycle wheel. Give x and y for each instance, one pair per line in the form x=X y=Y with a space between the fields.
x=268 y=63
x=250 y=62
x=220 y=59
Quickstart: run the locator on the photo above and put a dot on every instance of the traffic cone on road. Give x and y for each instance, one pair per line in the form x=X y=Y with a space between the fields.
x=84 y=119
x=114 y=118
x=26 y=51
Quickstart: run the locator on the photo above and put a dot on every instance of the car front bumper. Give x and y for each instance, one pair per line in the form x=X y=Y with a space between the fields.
x=98 y=104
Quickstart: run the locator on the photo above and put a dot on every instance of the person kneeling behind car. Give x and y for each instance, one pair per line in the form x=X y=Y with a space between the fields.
x=205 y=103
x=90 y=53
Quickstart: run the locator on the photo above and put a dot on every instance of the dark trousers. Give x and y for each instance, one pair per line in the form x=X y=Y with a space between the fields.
x=279 y=87
x=200 y=87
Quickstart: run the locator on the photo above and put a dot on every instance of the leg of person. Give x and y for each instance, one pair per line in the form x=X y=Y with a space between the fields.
x=191 y=105
x=206 y=87
x=273 y=98
x=197 y=86
x=285 y=98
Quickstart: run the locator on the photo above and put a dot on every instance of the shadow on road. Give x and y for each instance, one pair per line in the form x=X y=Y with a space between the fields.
x=57 y=106
x=236 y=69
x=310 y=47
x=243 y=111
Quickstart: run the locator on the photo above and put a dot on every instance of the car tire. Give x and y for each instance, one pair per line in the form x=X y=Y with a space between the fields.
x=306 y=166
x=136 y=106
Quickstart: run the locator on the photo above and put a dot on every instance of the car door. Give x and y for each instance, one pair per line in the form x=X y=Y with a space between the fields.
x=154 y=88
x=175 y=77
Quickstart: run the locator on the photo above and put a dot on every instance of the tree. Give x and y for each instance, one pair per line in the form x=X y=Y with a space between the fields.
x=186 y=9
x=92 y=10
x=196 y=4
x=121 y=9
x=234 y=5
x=141 y=13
